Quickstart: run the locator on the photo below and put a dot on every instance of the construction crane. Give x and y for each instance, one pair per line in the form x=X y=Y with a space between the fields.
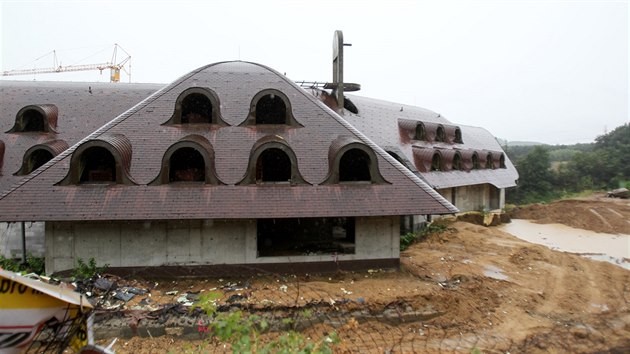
x=58 y=68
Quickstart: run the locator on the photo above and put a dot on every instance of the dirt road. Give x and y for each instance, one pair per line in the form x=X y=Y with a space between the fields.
x=470 y=287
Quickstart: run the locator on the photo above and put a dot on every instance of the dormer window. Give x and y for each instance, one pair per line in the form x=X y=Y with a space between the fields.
x=36 y=119
x=197 y=105
x=191 y=159
x=489 y=164
x=457 y=161
x=458 y=136
x=502 y=161
x=420 y=131
x=186 y=165
x=271 y=107
x=350 y=161
x=104 y=160
x=273 y=165
x=440 y=135
x=99 y=166
x=38 y=155
x=436 y=161
x=354 y=166
x=475 y=161
x=272 y=161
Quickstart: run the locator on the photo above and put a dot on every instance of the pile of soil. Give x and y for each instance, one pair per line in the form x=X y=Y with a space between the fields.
x=470 y=287
x=596 y=213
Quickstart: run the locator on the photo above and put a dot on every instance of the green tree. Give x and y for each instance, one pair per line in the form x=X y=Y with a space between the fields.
x=536 y=180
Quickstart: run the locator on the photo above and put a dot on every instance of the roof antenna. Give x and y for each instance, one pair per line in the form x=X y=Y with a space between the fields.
x=338 y=45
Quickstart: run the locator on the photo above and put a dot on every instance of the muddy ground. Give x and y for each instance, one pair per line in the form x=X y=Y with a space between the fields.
x=470 y=287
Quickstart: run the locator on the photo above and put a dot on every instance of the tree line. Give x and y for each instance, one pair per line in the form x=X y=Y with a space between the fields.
x=551 y=172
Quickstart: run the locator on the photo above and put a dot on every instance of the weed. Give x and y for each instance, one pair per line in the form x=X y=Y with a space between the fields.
x=33 y=264
x=243 y=331
x=409 y=238
x=87 y=270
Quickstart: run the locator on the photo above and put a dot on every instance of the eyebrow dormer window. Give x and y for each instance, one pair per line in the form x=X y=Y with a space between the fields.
x=440 y=135
x=191 y=159
x=99 y=166
x=436 y=162
x=36 y=118
x=196 y=108
x=350 y=160
x=354 y=166
x=273 y=165
x=272 y=161
x=458 y=136
x=197 y=105
x=475 y=161
x=271 y=107
x=104 y=160
x=36 y=156
x=187 y=165
x=457 y=162
x=420 y=131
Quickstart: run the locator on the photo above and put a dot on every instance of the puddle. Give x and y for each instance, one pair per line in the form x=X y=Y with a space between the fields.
x=494 y=272
x=610 y=248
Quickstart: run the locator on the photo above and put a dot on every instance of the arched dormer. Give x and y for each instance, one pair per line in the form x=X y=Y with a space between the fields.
x=451 y=160
x=272 y=160
x=428 y=159
x=453 y=134
x=197 y=105
x=436 y=161
x=350 y=160
x=104 y=160
x=487 y=164
x=434 y=132
x=191 y=159
x=37 y=155
x=41 y=118
x=270 y=107
x=470 y=160
x=498 y=159
x=421 y=132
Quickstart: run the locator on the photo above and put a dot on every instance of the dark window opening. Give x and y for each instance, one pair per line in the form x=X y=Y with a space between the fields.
x=270 y=109
x=475 y=162
x=436 y=162
x=354 y=166
x=37 y=159
x=457 y=162
x=99 y=166
x=502 y=161
x=420 y=132
x=273 y=165
x=32 y=121
x=196 y=108
x=187 y=165
x=305 y=236
x=395 y=156
x=440 y=135
x=458 y=136
x=489 y=164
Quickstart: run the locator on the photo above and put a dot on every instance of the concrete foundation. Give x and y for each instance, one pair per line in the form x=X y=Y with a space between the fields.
x=476 y=197
x=196 y=242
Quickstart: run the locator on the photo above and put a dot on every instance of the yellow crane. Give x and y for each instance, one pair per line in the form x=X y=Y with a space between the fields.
x=114 y=67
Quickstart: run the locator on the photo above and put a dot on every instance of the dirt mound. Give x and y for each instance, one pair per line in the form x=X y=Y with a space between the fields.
x=597 y=213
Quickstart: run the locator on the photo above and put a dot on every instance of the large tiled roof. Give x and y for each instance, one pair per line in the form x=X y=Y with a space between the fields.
x=381 y=122
x=77 y=113
x=39 y=197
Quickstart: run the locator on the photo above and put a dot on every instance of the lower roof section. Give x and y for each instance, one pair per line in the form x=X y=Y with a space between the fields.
x=177 y=202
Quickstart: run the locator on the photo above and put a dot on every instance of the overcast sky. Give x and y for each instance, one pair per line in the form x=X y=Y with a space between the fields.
x=547 y=71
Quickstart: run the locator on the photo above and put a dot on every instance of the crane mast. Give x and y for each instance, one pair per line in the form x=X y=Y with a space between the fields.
x=114 y=67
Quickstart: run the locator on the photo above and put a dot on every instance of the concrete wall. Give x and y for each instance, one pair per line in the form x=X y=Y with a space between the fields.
x=140 y=244
x=476 y=197
x=11 y=239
